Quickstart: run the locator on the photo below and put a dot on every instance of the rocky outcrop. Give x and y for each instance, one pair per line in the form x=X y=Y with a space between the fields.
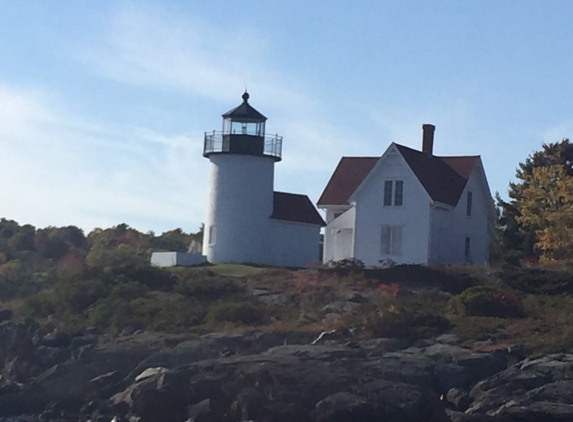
x=302 y=382
x=533 y=390
x=274 y=377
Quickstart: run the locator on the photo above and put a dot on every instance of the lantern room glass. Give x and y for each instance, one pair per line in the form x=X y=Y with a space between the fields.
x=237 y=127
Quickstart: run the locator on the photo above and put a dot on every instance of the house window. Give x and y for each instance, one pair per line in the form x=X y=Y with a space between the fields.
x=467 y=250
x=469 y=203
x=398 y=192
x=212 y=235
x=337 y=214
x=391 y=240
x=388 y=193
x=393 y=193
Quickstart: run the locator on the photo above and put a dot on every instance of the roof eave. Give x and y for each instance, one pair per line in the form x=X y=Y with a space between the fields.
x=323 y=224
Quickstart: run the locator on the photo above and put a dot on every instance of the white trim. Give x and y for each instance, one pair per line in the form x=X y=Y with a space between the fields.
x=442 y=205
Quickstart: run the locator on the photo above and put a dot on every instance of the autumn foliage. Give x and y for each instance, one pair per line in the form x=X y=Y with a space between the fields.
x=537 y=221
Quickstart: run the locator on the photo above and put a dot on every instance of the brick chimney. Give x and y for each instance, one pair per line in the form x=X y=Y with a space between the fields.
x=428 y=138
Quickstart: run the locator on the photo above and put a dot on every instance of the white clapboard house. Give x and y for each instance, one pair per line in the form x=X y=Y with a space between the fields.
x=408 y=206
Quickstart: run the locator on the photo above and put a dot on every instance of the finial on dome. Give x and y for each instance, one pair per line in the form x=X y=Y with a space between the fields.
x=246 y=96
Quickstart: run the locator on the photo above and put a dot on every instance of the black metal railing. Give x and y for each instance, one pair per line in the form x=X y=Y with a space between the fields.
x=221 y=142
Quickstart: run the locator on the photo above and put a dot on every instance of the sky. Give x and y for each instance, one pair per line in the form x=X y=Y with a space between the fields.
x=104 y=104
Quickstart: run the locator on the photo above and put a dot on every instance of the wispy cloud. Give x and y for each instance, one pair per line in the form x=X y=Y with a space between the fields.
x=149 y=47
x=58 y=170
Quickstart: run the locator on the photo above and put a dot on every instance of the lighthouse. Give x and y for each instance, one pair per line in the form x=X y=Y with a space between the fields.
x=241 y=179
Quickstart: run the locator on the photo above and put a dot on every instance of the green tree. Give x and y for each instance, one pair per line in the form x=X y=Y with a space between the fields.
x=173 y=240
x=118 y=246
x=55 y=242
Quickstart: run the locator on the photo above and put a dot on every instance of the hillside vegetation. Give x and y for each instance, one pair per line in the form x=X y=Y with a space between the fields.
x=68 y=281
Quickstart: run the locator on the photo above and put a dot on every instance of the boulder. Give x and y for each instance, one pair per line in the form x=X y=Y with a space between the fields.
x=481 y=365
x=533 y=390
x=450 y=375
x=287 y=383
x=5 y=315
x=459 y=398
x=378 y=401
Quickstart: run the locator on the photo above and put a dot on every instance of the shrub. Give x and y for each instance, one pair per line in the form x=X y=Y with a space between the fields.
x=40 y=305
x=208 y=288
x=407 y=317
x=306 y=281
x=346 y=266
x=404 y=325
x=447 y=279
x=146 y=313
x=538 y=280
x=111 y=312
x=152 y=277
x=390 y=289
x=244 y=313
x=487 y=301
x=75 y=293
x=478 y=328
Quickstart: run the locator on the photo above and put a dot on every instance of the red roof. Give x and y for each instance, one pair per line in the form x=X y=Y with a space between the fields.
x=348 y=175
x=297 y=208
x=444 y=178
x=464 y=165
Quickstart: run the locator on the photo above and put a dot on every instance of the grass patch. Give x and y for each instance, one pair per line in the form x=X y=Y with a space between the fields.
x=238 y=313
x=415 y=316
x=478 y=328
x=235 y=270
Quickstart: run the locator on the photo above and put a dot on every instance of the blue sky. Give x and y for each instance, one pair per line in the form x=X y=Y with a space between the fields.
x=103 y=105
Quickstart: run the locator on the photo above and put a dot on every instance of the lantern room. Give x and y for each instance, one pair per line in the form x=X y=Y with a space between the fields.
x=243 y=133
x=244 y=120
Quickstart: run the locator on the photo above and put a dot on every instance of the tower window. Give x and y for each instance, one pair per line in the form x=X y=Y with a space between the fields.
x=212 y=235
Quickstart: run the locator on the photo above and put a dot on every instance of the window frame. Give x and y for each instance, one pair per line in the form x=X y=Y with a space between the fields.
x=392 y=195
x=393 y=245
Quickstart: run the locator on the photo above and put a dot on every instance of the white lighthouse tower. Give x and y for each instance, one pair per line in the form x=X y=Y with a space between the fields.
x=241 y=182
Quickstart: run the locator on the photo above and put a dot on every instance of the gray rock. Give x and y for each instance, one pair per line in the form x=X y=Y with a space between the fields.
x=533 y=390
x=342 y=306
x=459 y=398
x=450 y=375
x=81 y=341
x=5 y=315
x=518 y=351
x=127 y=331
x=380 y=401
x=448 y=339
x=445 y=352
x=481 y=365
x=286 y=383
